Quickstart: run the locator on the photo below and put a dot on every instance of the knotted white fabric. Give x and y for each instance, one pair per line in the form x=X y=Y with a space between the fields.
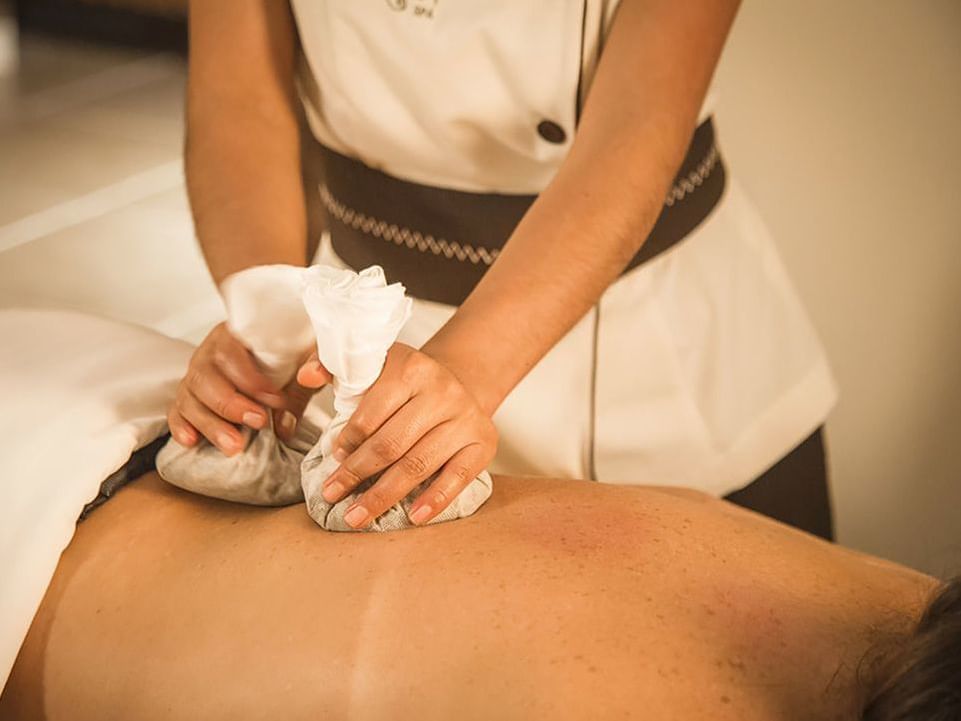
x=277 y=311
x=265 y=311
x=356 y=318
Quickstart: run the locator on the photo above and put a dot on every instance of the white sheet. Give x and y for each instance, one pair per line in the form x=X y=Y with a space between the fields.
x=80 y=394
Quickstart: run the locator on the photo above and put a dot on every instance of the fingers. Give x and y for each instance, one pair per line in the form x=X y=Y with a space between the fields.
x=392 y=442
x=219 y=395
x=184 y=433
x=217 y=392
x=392 y=390
x=218 y=431
x=381 y=402
x=416 y=419
x=416 y=466
x=237 y=365
x=457 y=473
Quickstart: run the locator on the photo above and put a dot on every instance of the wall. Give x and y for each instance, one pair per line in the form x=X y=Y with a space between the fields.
x=842 y=121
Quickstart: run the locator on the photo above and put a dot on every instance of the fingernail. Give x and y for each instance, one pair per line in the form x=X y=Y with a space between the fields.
x=288 y=422
x=421 y=515
x=226 y=442
x=253 y=420
x=333 y=492
x=356 y=516
x=340 y=455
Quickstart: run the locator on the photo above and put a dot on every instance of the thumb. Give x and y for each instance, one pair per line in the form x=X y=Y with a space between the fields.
x=312 y=373
x=286 y=419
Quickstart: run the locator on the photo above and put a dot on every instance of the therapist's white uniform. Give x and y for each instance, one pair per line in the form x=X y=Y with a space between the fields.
x=699 y=368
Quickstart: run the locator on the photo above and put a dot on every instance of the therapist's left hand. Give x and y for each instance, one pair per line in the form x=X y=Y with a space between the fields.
x=417 y=419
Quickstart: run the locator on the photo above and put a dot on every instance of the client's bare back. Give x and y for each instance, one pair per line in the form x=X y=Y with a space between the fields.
x=558 y=599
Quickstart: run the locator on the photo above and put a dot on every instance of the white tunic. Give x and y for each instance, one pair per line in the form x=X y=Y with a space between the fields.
x=698 y=368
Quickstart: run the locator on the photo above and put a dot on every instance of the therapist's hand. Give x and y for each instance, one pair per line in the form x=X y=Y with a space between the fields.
x=221 y=390
x=417 y=419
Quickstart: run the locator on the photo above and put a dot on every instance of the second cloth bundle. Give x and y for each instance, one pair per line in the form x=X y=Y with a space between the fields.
x=277 y=312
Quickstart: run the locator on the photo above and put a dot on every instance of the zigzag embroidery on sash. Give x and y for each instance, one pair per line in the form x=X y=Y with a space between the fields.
x=693 y=180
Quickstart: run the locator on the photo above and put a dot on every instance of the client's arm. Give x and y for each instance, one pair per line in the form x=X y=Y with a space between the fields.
x=561 y=600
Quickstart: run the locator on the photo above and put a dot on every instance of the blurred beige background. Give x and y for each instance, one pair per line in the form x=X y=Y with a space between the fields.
x=840 y=118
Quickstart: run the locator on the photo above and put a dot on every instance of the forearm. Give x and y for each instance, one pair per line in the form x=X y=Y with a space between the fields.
x=242 y=154
x=584 y=228
x=246 y=198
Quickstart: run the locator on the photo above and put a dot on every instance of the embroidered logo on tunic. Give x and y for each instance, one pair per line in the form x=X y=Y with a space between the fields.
x=418 y=8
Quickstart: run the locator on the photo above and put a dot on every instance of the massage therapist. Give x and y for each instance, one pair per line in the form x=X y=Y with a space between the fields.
x=595 y=295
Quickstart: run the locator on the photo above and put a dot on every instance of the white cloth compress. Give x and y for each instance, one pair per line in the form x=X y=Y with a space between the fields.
x=265 y=312
x=277 y=311
x=356 y=318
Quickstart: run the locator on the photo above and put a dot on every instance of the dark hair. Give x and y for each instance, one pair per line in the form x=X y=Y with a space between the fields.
x=921 y=680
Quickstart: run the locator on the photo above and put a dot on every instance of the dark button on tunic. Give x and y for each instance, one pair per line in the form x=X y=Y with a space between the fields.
x=551 y=132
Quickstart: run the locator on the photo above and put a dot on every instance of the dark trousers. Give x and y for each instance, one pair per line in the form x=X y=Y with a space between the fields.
x=794 y=490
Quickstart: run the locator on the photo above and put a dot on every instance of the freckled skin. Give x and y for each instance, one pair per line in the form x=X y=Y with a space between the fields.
x=559 y=599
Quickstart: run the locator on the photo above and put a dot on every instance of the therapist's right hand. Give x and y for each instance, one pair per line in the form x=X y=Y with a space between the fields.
x=224 y=388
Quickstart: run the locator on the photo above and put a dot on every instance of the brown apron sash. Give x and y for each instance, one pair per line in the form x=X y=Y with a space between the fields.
x=439 y=242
